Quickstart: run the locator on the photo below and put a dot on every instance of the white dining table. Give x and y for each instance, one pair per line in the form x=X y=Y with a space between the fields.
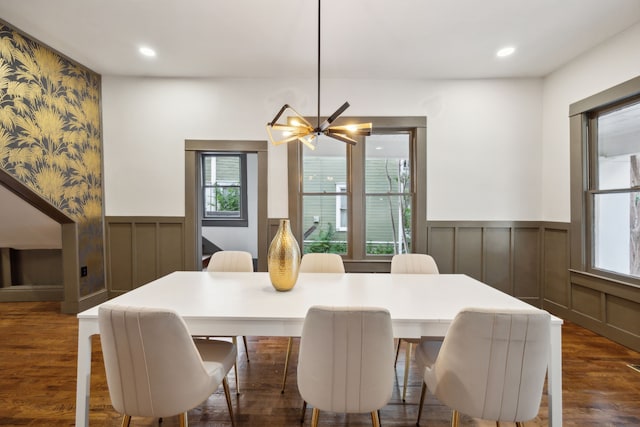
x=233 y=304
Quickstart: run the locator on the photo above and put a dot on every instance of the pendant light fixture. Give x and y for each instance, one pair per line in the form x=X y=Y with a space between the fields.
x=298 y=128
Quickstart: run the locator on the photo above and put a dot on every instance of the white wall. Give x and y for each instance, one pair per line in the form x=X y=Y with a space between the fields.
x=483 y=137
x=24 y=227
x=612 y=63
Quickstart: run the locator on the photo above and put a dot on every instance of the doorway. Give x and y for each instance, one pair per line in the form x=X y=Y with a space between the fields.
x=194 y=151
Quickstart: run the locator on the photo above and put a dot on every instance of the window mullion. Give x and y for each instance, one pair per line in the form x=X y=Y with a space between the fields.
x=356 y=234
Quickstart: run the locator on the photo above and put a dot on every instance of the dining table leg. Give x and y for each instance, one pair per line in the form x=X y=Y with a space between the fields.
x=83 y=382
x=554 y=376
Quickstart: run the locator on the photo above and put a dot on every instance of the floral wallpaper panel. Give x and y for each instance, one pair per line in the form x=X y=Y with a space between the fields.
x=51 y=138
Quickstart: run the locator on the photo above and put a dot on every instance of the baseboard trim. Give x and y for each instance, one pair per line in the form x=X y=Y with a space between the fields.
x=85 y=303
x=31 y=293
x=613 y=333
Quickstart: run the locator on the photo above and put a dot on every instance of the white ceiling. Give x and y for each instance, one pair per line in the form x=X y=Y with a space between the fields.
x=360 y=38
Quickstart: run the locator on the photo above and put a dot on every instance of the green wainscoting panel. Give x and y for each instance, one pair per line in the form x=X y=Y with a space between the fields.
x=142 y=249
x=497 y=258
x=604 y=305
x=469 y=251
x=526 y=262
x=623 y=314
x=507 y=255
x=526 y=259
x=556 y=266
x=587 y=302
x=119 y=257
x=442 y=246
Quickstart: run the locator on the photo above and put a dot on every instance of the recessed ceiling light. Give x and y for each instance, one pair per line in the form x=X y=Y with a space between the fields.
x=505 y=51
x=147 y=51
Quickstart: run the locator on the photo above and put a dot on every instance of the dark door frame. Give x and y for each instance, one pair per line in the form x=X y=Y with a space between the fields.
x=193 y=227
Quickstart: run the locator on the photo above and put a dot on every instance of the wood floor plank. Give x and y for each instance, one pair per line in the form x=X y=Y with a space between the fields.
x=38 y=349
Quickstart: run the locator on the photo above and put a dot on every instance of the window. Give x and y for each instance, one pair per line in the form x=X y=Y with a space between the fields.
x=224 y=189
x=388 y=194
x=362 y=201
x=614 y=188
x=325 y=198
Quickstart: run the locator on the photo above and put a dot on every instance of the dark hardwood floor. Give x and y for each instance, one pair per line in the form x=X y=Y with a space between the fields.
x=38 y=381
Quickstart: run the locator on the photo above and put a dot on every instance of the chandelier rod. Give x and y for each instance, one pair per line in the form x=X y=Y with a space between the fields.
x=302 y=129
x=318 y=122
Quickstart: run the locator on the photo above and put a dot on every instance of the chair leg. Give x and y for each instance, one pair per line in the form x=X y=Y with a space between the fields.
x=304 y=410
x=455 y=418
x=314 y=417
x=126 y=419
x=184 y=420
x=234 y=340
x=407 y=361
x=519 y=424
x=424 y=391
x=286 y=365
x=375 y=419
x=397 y=351
x=246 y=347
x=227 y=395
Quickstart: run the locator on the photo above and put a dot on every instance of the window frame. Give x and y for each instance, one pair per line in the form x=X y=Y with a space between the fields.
x=412 y=189
x=584 y=176
x=593 y=185
x=225 y=221
x=356 y=258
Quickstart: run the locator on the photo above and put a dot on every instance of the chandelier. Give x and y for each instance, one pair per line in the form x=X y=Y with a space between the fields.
x=298 y=128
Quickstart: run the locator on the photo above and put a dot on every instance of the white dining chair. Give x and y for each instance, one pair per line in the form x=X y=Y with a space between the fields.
x=313 y=263
x=233 y=261
x=238 y=261
x=491 y=365
x=154 y=368
x=321 y=263
x=344 y=363
x=411 y=264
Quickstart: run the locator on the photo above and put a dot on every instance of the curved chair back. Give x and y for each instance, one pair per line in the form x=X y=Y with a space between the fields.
x=345 y=363
x=413 y=264
x=239 y=261
x=313 y=263
x=152 y=364
x=321 y=263
x=492 y=364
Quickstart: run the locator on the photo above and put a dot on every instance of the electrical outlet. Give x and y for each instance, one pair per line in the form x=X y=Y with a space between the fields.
x=83 y=271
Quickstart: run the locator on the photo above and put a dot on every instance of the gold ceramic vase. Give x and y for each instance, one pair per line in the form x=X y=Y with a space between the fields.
x=284 y=258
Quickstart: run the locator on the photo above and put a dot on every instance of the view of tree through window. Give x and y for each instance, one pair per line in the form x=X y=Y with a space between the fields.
x=388 y=194
x=383 y=191
x=224 y=187
x=615 y=190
